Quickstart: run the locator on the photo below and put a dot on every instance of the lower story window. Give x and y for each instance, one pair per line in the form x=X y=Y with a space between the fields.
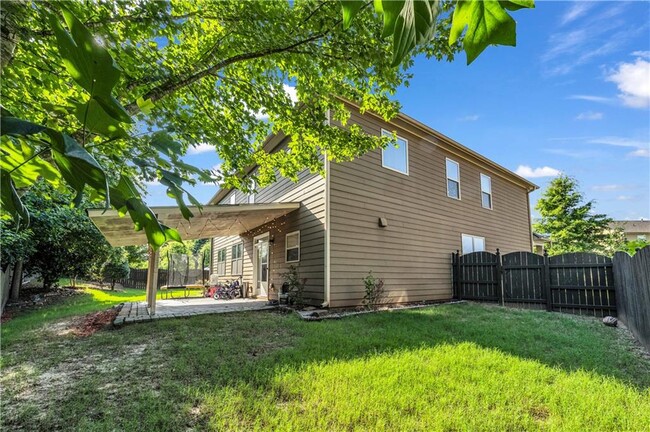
x=292 y=242
x=472 y=243
x=221 y=262
x=237 y=266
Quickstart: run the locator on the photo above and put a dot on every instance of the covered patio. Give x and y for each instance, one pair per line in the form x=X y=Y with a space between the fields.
x=209 y=221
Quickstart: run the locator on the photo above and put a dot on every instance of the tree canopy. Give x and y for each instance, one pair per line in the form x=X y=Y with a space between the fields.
x=107 y=95
x=571 y=222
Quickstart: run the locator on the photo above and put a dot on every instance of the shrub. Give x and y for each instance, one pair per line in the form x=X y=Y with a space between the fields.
x=295 y=286
x=375 y=294
x=117 y=267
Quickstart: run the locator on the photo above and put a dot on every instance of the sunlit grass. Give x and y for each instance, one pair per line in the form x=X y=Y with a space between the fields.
x=455 y=367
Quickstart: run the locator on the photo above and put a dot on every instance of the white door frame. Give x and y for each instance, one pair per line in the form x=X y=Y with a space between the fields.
x=267 y=236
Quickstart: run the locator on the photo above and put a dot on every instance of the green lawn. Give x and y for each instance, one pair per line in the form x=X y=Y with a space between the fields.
x=453 y=367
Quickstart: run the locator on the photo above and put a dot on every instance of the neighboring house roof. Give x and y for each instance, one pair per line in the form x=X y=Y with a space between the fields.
x=633 y=226
x=423 y=132
x=541 y=238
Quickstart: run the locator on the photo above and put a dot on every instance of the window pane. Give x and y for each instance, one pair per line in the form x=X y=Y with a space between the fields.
x=292 y=254
x=452 y=189
x=292 y=240
x=468 y=245
x=395 y=157
x=487 y=200
x=486 y=184
x=479 y=244
x=452 y=170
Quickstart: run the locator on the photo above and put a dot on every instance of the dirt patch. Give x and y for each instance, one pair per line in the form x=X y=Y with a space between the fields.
x=93 y=322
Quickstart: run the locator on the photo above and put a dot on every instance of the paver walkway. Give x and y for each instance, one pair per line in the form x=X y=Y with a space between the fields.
x=174 y=308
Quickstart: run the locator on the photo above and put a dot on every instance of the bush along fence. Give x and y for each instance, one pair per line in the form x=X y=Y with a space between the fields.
x=579 y=283
x=138 y=278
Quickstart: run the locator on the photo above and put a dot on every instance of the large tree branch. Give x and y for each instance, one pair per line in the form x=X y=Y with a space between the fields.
x=172 y=85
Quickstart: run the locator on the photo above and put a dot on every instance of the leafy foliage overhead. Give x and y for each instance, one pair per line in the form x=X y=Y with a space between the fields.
x=103 y=97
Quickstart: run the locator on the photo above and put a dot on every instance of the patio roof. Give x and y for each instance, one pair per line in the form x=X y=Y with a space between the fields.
x=210 y=221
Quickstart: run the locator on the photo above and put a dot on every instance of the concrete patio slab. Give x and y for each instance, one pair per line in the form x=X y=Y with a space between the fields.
x=176 y=308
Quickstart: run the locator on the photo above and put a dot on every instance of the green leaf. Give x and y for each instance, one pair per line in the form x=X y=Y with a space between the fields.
x=487 y=23
x=77 y=166
x=350 y=9
x=98 y=121
x=514 y=5
x=145 y=105
x=89 y=63
x=10 y=200
x=19 y=159
x=414 y=25
x=391 y=10
x=165 y=144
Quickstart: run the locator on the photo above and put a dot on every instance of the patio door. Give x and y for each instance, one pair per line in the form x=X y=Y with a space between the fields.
x=261 y=264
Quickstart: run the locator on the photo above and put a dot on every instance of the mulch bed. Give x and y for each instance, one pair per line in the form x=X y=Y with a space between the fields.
x=93 y=322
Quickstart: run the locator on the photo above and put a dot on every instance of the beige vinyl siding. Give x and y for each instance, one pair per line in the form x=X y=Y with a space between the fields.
x=412 y=254
x=309 y=219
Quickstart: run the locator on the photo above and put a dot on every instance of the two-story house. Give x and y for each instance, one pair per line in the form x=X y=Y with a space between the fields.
x=398 y=212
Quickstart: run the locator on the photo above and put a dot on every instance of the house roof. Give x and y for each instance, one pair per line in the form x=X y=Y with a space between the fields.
x=633 y=226
x=210 y=221
x=423 y=132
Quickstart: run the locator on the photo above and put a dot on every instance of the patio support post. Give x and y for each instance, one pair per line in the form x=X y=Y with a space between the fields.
x=152 y=280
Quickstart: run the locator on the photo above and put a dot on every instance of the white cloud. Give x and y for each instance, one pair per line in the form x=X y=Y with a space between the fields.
x=291 y=92
x=590 y=115
x=577 y=10
x=469 y=118
x=624 y=198
x=529 y=172
x=641 y=148
x=200 y=148
x=591 y=98
x=640 y=153
x=608 y=187
x=643 y=54
x=633 y=82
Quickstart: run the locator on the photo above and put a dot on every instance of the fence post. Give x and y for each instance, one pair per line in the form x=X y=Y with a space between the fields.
x=499 y=273
x=459 y=287
x=546 y=282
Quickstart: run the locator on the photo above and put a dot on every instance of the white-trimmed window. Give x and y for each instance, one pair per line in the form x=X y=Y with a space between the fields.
x=292 y=247
x=472 y=243
x=251 y=196
x=221 y=262
x=396 y=157
x=233 y=198
x=453 y=179
x=486 y=191
x=236 y=263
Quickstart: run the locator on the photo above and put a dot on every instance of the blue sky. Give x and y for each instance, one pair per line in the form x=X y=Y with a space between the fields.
x=572 y=97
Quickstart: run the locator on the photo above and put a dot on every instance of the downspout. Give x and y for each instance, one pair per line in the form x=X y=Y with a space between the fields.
x=326 y=296
x=530 y=222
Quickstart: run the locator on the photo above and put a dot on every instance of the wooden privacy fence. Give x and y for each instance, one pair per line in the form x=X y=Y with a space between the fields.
x=138 y=278
x=580 y=283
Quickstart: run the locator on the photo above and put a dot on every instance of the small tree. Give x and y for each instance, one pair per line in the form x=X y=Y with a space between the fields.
x=295 y=286
x=374 y=288
x=117 y=267
x=571 y=223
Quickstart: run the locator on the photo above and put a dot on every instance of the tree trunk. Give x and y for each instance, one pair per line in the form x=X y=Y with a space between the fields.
x=5 y=278
x=112 y=284
x=17 y=280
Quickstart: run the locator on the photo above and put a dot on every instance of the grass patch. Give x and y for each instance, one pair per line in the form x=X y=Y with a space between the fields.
x=455 y=367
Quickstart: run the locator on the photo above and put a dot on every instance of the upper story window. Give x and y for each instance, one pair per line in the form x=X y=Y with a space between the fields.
x=453 y=179
x=221 y=262
x=251 y=196
x=472 y=243
x=396 y=158
x=237 y=267
x=292 y=247
x=233 y=198
x=486 y=191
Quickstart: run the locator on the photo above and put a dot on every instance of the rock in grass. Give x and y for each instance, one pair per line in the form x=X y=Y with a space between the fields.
x=610 y=321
